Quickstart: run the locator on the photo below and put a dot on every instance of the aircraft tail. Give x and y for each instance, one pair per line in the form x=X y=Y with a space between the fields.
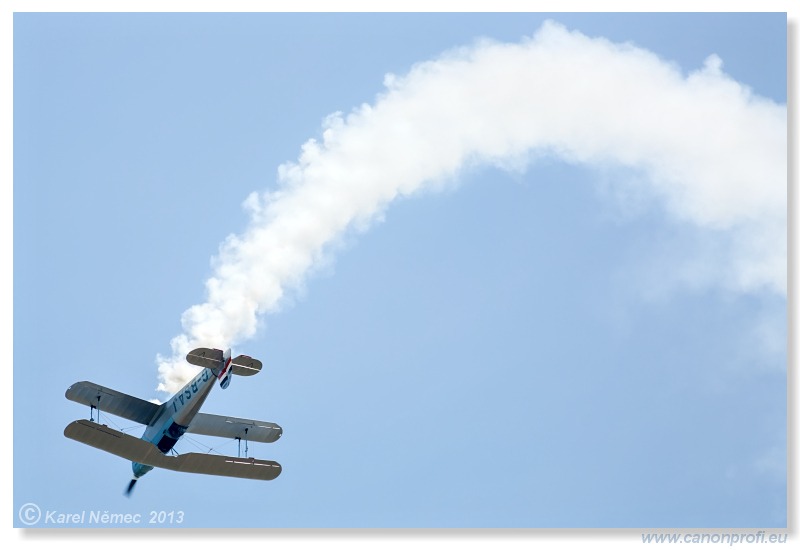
x=216 y=360
x=222 y=365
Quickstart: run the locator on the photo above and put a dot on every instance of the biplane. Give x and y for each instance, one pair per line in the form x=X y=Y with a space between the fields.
x=168 y=422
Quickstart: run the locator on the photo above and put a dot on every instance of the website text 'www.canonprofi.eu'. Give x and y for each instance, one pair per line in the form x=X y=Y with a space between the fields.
x=731 y=539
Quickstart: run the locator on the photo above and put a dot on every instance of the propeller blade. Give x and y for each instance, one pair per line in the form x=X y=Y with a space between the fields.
x=130 y=487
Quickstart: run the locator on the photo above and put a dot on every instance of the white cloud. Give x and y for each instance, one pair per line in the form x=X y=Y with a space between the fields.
x=712 y=151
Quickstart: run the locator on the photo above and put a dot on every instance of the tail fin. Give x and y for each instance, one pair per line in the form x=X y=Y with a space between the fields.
x=226 y=373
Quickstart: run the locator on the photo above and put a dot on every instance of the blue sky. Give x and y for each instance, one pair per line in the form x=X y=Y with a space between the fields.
x=513 y=350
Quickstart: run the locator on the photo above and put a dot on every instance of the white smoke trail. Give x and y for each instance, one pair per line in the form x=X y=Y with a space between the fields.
x=714 y=152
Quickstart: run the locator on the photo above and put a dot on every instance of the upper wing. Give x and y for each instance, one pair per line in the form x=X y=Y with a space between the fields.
x=112 y=401
x=144 y=452
x=230 y=427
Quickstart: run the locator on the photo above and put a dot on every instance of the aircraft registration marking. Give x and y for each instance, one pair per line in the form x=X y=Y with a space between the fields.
x=190 y=390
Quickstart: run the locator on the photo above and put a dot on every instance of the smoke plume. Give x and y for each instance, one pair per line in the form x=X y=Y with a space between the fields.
x=713 y=152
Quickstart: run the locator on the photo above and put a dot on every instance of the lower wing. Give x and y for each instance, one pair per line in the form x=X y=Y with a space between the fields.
x=138 y=450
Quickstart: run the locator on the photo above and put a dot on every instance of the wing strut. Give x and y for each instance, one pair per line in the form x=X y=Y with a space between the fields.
x=239 y=439
x=93 y=408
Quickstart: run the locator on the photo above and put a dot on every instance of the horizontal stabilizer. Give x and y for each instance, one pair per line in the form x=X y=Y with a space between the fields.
x=231 y=428
x=205 y=357
x=143 y=452
x=112 y=401
x=245 y=366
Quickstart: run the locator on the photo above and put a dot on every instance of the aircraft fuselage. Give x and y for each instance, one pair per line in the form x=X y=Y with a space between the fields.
x=175 y=416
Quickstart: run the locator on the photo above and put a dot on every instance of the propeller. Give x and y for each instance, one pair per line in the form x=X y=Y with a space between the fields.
x=130 y=486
